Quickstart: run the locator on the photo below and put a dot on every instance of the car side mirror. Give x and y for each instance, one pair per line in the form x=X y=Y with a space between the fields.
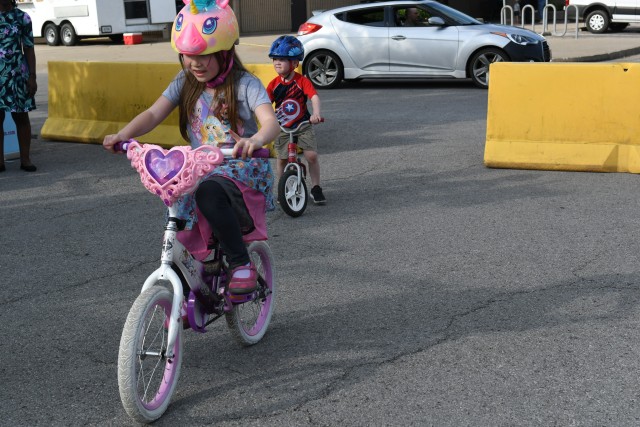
x=436 y=21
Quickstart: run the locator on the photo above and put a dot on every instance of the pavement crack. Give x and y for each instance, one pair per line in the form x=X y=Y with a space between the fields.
x=55 y=291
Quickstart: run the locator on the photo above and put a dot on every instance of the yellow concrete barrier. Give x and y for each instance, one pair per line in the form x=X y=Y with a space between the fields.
x=564 y=116
x=88 y=100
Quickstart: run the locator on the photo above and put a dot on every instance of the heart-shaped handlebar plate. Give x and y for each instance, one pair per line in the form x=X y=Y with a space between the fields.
x=163 y=167
x=170 y=174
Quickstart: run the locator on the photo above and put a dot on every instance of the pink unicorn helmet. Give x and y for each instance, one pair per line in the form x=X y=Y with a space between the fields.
x=203 y=27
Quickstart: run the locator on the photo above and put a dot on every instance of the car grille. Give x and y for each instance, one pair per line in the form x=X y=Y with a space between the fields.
x=546 y=51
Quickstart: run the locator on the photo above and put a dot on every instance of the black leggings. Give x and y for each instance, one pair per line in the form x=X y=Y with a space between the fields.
x=214 y=203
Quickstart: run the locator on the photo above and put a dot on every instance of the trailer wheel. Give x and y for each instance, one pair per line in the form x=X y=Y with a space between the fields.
x=68 y=34
x=51 y=34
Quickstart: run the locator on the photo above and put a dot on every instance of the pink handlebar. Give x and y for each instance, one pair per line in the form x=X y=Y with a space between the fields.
x=262 y=153
x=170 y=174
x=122 y=146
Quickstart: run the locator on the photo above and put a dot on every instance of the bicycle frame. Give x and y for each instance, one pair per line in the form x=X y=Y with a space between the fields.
x=165 y=272
x=294 y=160
x=174 y=253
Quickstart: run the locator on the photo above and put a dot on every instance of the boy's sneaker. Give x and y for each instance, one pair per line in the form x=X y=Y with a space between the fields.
x=317 y=196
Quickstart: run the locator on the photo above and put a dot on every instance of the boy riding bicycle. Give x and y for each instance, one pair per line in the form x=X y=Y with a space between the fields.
x=290 y=92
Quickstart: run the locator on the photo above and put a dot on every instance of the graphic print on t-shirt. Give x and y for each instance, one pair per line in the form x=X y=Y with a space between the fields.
x=289 y=112
x=291 y=104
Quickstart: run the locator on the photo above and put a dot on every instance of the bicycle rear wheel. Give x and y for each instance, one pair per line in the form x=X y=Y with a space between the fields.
x=248 y=322
x=292 y=194
x=146 y=377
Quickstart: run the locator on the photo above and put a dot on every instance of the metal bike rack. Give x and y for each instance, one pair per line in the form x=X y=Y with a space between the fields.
x=554 y=32
x=533 y=17
x=503 y=13
x=506 y=14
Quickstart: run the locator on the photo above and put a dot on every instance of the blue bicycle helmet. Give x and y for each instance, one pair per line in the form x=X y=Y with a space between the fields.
x=287 y=47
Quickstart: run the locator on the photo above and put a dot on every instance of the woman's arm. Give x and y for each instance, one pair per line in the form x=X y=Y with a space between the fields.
x=30 y=56
x=143 y=123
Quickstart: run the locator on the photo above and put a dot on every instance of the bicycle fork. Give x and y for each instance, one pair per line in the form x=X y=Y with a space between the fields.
x=172 y=251
x=293 y=161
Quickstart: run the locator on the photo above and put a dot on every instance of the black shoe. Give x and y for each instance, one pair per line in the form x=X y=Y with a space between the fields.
x=3 y=168
x=30 y=168
x=317 y=196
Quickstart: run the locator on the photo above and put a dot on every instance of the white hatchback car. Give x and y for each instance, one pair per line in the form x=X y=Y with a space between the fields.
x=375 y=40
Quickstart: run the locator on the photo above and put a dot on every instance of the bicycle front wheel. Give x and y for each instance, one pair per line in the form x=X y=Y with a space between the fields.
x=292 y=193
x=146 y=377
x=248 y=322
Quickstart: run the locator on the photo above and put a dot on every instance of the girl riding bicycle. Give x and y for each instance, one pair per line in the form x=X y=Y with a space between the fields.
x=217 y=100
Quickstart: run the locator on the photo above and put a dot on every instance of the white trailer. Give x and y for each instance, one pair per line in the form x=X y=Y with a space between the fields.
x=67 y=21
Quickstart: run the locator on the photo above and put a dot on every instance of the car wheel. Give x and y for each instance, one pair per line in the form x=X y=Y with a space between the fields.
x=479 y=65
x=51 y=35
x=597 y=21
x=618 y=26
x=324 y=69
x=68 y=35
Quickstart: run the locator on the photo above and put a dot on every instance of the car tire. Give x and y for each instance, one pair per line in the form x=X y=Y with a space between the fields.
x=479 y=64
x=618 y=26
x=597 y=21
x=324 y=69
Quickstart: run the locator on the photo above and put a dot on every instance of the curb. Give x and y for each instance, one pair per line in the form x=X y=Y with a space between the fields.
x=602 y=57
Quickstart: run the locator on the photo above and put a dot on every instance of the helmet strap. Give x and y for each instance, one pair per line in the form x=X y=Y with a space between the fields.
x=219 y=79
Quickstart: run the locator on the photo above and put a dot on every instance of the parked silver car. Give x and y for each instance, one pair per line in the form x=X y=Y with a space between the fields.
x=377 y=40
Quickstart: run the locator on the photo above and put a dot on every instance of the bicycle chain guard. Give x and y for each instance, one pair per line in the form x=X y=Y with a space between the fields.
x=170 y=174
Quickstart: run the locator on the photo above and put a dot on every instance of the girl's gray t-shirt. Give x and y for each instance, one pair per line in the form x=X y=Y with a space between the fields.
x=250 y=92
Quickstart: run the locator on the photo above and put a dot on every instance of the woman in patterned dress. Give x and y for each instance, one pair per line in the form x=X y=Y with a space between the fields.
x=17 y=78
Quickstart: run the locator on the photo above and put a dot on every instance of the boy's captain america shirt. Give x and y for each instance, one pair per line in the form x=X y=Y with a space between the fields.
x=290 y=99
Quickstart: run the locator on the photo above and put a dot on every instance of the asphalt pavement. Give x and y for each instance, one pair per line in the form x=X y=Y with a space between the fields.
x=429 y=291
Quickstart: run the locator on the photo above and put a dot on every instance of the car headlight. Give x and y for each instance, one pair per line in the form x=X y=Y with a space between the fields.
x=518 y=38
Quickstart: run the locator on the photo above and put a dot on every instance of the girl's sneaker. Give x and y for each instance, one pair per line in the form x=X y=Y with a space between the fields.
x=317 y=196
x=243 y=280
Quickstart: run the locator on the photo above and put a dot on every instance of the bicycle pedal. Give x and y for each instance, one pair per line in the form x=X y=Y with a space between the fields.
x=239 y=299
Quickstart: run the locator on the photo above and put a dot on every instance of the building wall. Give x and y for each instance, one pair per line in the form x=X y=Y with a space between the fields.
x=327 y=4
x=255 y=17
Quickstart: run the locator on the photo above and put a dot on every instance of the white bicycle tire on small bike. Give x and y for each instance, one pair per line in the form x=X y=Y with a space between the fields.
x=248 y=322
x=147 y=383
x=292 y=193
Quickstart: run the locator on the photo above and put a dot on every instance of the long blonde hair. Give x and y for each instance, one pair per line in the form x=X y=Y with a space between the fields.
x=192 y=90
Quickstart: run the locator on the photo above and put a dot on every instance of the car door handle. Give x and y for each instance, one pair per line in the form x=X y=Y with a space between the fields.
x=398 y=38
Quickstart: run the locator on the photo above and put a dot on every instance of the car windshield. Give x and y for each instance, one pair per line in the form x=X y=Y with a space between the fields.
x=450 y=16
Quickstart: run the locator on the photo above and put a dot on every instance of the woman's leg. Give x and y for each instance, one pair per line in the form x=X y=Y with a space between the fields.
x=23 y=130
x=2 y=141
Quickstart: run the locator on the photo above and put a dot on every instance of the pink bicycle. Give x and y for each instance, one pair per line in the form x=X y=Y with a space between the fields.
x=183 y=293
